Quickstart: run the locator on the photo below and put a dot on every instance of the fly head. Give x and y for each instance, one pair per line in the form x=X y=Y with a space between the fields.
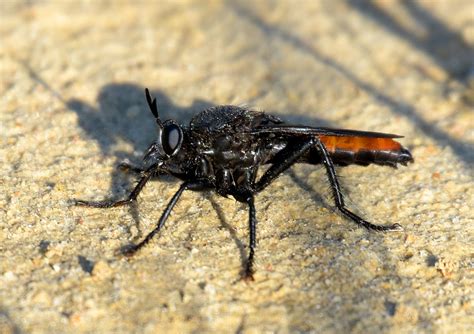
x=170 y=137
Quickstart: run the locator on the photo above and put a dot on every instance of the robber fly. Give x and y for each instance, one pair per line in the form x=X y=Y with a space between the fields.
x=223 y=148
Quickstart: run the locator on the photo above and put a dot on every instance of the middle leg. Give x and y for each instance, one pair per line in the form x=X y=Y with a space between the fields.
x=249 y=269
x=198 y=185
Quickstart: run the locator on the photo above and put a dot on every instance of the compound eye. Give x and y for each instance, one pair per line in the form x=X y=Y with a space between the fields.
x=172 y=137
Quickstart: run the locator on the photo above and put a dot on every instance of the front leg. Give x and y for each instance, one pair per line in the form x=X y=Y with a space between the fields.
x=132 y=197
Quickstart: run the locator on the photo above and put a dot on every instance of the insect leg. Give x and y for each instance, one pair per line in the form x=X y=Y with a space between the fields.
x=132 y=197
x=339 y=199
x=198 y=185
x=279 y=167
x=249 y=270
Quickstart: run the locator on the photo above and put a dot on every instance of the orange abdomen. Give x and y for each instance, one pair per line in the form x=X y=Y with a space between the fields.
x=346 y=150
x=355 y=144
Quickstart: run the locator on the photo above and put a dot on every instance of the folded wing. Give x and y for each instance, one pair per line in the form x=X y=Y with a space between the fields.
x=347 y=146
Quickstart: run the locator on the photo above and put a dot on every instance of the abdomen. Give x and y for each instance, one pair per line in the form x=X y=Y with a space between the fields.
x=346 y=150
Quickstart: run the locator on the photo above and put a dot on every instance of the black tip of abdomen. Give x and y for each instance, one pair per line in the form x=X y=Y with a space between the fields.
x=405 y=156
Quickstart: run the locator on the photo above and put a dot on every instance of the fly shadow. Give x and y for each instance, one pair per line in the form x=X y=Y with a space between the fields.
x=122 y=117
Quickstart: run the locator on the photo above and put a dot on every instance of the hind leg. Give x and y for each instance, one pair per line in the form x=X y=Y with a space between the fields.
x=339 y=199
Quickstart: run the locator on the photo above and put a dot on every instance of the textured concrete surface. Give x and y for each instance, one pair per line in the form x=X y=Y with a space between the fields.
x=72 y=107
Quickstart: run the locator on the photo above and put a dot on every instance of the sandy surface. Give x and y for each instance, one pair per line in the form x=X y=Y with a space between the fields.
x=72 y=107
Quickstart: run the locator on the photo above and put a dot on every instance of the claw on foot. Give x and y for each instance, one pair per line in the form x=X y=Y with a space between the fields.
x=127 y=250
x=395 y=228
x=247 y=275
x=78 y=202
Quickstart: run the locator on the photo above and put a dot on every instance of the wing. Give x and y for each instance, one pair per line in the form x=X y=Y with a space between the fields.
x=317 y=131
x=347 y=146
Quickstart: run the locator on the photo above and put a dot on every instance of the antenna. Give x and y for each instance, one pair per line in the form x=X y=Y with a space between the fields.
x=153 y=107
